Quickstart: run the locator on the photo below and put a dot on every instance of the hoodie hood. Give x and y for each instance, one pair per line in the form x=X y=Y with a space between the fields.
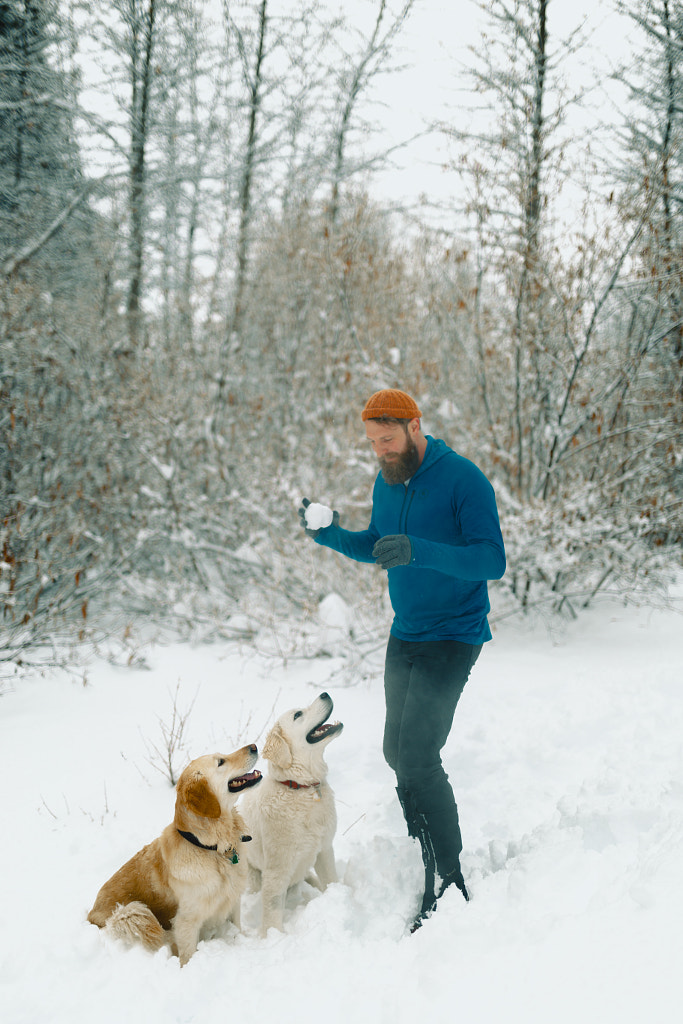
x=436 y=449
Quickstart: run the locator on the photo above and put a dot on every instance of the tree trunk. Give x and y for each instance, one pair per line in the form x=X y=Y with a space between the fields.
x=232 y=339
x=141 y=82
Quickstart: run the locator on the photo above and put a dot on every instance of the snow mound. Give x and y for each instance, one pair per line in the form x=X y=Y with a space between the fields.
x=334 y=612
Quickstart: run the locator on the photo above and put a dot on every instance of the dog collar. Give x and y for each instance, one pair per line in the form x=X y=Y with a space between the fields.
x=298 y=785
x=230 y=853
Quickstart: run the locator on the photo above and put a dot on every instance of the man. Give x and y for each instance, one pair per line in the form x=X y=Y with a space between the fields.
x=434 y=528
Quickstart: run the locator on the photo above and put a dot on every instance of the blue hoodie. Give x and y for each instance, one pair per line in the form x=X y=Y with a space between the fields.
x=448 y=510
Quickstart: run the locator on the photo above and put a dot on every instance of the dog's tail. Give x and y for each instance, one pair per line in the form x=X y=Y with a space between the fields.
x=135 y=922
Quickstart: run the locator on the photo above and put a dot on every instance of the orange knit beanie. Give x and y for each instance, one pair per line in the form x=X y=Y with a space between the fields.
x=390 y=402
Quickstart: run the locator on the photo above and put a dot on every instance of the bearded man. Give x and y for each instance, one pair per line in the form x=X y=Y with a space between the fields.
x=434 y=528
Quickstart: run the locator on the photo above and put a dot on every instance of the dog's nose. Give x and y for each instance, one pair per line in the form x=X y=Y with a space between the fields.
x=324 y=696
x=253 y=748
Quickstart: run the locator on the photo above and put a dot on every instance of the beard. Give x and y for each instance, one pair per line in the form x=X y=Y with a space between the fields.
x=400 y=468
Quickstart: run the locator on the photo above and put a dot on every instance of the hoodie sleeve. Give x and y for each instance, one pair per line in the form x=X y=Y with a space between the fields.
x=357 y=545
x=477 y=551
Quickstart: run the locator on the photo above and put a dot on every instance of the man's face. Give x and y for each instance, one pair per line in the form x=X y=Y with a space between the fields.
x=395 y=449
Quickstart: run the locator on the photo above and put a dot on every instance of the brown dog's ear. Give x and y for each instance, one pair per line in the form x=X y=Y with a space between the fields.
x=196 y=795
x=276 y=748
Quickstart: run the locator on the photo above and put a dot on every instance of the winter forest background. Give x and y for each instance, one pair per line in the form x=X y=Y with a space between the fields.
x=201 y=285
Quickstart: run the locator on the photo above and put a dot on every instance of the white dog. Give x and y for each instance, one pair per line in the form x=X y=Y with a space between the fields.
x=291 y=816
x=189 y=880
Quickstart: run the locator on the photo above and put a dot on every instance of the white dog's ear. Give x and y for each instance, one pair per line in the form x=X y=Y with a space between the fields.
x=276 y=748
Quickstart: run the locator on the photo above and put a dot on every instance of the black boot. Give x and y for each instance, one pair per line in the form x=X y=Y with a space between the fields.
x=429 y=861
x=454 y=878
x=431 y=897
x=417 y=830
x=405 y=798
x=440 y=845
x=439 y=834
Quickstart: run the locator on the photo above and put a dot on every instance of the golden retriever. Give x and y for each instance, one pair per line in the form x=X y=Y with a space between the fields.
x=292 y=816
x=190 y=880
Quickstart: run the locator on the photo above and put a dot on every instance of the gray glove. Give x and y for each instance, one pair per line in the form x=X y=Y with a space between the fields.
x=302 y=517
x=396 y=549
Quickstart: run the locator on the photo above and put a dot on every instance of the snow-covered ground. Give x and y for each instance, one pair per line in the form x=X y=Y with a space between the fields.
x=567 y=761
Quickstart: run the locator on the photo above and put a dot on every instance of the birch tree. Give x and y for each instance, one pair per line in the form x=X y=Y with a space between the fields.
x=552 y=351
x=651 y=413
x=139 y=18
x=354 y=75
x=653 y=163
x=508 y=172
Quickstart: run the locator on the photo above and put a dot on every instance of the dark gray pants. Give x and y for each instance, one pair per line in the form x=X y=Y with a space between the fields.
x=422 y=686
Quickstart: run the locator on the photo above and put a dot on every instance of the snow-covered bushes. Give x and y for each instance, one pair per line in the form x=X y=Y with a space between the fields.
x=561 y=555
x=131 y=485
x=61 y=479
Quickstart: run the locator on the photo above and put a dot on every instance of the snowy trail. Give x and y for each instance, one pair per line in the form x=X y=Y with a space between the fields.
x=567 y=761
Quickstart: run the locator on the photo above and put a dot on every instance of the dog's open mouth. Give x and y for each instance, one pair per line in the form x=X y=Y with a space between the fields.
x=244 y=781
x=323 y=730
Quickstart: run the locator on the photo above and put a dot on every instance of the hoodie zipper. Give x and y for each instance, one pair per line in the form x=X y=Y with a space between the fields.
x=404 y=511
x=403 y=514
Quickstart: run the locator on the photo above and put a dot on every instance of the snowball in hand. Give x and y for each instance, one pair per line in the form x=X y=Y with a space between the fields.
x=318 y=516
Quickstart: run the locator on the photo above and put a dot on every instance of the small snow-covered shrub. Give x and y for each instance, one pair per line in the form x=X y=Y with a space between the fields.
x=561 y=555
